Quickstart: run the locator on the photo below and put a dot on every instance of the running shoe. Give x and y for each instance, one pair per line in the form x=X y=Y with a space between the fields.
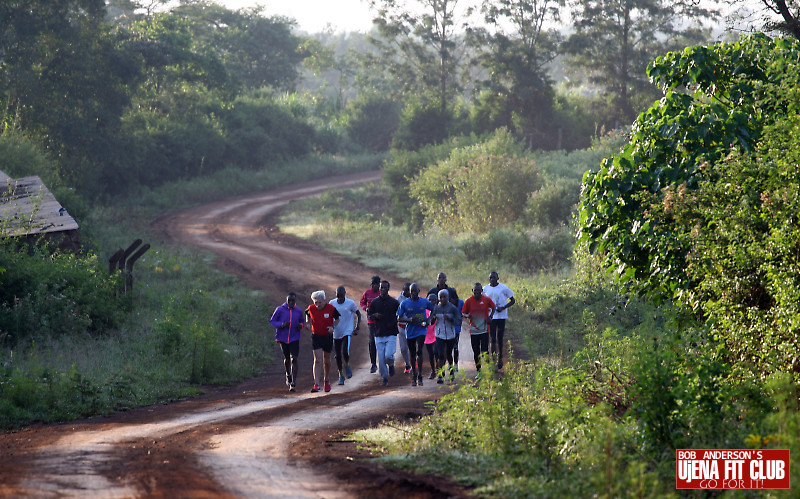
x=456 y=366
x=407 y=370
x=385 y=381
x=439 y=380
x=348 y=372
x=391 y=369
x=373 y=369
x=419 y=380
x=341 y=380
x=291 y=387
x=315 y=389
x=289 y=381
x=327 y=386
x=414 y=382
x=433 y=375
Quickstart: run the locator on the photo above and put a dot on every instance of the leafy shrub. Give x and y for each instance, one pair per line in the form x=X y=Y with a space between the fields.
x=22 y=157
x=422 y=122
x=260 y=130
x=733 y=91
x=162 y=148
x=404 y=166
x=56 y=294
x=542 y=250
x=554 y=204
x=478 y=188
x=746 y=251
x=700 y=206
x=372 y=120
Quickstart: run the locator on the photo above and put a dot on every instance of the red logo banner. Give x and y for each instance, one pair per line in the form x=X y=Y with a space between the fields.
x=732 y=469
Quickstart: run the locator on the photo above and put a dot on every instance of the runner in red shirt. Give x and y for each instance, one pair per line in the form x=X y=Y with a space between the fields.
x=323 y=318
x=369 y=295
x=479 y=309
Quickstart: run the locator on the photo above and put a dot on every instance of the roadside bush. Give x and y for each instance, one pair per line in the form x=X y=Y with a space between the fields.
x=372 y=120
x=404 y=166
x=260 y=130
x=554 y=204
x=422 y=122
x=22 y=157
x=540 y=250
x=55 y=295
x=163 y=148
x=477 y=188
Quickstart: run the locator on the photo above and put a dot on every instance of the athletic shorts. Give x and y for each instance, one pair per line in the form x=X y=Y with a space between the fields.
x=325 y=342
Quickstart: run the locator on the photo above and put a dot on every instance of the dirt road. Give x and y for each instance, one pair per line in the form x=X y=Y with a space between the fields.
x=255 y=439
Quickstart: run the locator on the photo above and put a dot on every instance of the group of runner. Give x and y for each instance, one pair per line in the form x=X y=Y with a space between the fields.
x=417 y=322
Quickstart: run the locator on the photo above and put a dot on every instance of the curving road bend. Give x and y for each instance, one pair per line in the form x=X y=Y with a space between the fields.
x=239 y=441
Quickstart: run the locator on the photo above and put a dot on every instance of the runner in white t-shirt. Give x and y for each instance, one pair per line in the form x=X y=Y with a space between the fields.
x=503 y=298
x=349 y=322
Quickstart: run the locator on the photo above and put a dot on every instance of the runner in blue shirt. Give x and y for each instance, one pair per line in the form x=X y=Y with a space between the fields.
x=412 y=313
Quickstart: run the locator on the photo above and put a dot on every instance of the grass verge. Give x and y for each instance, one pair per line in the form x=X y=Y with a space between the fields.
x=188 y=325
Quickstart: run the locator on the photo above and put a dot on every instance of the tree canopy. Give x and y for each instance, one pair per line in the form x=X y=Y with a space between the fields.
x=679 y=213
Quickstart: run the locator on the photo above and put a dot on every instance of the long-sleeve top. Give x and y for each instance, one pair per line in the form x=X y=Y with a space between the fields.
x=294 y=316
x=366 y=299
x=387 y=307
x=447 y=316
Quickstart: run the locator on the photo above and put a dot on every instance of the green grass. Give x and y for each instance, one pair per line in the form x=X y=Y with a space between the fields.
x=603 y=387
x=190 y=324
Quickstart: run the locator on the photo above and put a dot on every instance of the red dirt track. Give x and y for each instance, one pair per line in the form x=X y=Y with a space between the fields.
x=254 y=439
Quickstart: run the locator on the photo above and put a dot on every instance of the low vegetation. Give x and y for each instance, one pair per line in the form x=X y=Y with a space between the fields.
x=75 y=345
x=673 y=323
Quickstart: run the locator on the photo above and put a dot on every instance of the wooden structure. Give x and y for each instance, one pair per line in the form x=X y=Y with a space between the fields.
x=28 y=210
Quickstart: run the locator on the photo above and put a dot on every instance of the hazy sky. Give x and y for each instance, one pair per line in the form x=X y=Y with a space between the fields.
x=314 y=15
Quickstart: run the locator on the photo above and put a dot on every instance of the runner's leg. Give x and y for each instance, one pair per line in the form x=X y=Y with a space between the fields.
x=338 y=347
x=501 y=329
x=475 y=340
x=373 y=353
x=317 y=368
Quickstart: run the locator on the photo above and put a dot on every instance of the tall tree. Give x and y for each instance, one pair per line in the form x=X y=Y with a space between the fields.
x=257 y=51
x=518 y=40
x=419 y=46
x=615 y=39
x=789 y=12
x=63 y=79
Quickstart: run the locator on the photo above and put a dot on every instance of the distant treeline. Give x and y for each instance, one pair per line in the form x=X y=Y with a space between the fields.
x=116 y=95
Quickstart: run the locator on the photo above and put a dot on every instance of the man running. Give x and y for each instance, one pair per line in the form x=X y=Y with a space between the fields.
x=369 y=295
x=349 y=323
x=479 y=309
x=323 y=318
x=383 y=312
x=401 y=329
x=503 y=298
x=412 y=314
x=288 y=322
x=441 y=284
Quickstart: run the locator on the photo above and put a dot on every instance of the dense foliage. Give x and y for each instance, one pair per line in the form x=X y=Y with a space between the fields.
x=477 y=188
x=635 y=208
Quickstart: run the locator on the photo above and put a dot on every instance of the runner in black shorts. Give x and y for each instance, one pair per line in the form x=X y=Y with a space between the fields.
x=323 y=318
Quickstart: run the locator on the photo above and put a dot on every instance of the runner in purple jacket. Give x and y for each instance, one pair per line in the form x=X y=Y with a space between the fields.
x=288 y=321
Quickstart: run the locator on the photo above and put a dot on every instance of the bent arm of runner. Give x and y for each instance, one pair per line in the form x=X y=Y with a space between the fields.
x=511 y=301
